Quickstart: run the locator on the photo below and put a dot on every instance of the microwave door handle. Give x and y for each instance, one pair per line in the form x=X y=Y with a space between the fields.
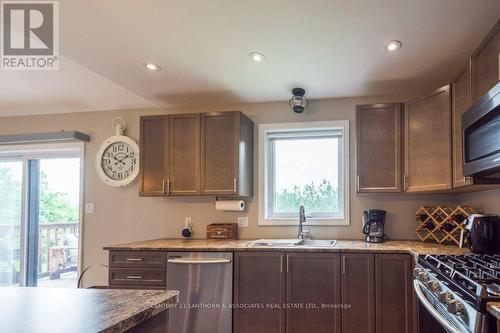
x=434 y=313
x=198 y=261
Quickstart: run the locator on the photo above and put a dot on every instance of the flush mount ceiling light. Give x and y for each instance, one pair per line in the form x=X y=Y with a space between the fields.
x=298 y=103
x=393 y=46
x=256 y=56
x=151 y=66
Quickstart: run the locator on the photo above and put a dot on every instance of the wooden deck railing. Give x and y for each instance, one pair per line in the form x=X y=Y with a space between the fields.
x=49 y=235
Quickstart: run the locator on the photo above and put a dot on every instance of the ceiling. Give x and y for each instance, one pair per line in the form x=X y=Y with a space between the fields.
x=332 y=48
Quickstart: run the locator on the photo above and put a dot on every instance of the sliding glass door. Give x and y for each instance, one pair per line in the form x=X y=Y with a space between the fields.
x=11 y=193
x=40 y=218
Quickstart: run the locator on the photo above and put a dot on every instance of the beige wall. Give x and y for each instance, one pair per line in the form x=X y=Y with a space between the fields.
x=122 y=216
x=487 y=202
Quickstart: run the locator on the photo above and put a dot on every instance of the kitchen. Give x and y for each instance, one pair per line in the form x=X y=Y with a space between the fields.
x=212 y=128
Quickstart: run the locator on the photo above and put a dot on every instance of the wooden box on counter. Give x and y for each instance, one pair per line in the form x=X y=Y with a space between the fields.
x=222 y=231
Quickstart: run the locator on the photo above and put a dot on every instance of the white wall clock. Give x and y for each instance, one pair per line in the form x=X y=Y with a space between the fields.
x=117 y=160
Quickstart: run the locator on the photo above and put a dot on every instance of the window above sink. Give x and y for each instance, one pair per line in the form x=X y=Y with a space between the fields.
x=304 y=163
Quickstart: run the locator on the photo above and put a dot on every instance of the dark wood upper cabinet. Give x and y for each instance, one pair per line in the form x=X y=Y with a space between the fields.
x=461 y=101
x=226 y=154
x=259 y=278
x=427 y=134
x=378 y=147
x=196 y=154
x=313 y=279
x=394 y=293
x=486 y=63
x=154 y=155
x=358 y=291
x=184 y=174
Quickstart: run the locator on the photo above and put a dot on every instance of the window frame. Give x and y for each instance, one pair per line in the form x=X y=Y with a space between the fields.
x=266 y=169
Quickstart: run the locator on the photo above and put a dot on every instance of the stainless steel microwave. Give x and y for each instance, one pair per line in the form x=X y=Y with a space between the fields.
x=481 y=138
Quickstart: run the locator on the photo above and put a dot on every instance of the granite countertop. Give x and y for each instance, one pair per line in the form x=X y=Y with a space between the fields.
x=395 y=246
x=56 y=310
x=494 y=309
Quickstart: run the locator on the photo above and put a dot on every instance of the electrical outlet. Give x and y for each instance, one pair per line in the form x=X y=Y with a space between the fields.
x=187 y=223
x=243 y=222
x=89 y=208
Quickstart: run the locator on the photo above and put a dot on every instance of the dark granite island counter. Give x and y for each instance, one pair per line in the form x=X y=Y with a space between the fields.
x=84 y=310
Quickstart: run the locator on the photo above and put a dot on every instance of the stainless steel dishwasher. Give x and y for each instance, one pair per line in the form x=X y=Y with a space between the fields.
x=205 y=284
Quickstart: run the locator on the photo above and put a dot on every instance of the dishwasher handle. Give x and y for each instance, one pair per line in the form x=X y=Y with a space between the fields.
x=186 y=261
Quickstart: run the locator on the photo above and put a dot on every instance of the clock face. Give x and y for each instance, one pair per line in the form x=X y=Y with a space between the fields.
x=119 y=161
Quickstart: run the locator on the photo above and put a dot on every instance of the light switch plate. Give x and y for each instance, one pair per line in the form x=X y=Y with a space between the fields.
x=243 y=222
x=89 y=208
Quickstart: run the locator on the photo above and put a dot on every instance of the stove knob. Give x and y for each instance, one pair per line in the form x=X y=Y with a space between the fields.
x=433 y=285
x=445 y=297
x=423 y=276
x=456 y=307
x=417 y=271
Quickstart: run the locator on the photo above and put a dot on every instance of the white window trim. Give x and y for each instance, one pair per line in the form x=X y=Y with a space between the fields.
x=264 y=129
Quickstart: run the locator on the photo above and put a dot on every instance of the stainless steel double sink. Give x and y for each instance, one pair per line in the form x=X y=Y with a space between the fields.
x=293 y=243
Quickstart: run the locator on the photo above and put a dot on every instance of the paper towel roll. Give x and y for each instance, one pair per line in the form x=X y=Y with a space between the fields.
x=230 y=205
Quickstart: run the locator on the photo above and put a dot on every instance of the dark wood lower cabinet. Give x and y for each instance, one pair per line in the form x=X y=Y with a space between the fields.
x=156 y=324
x=312 y=289
x=358 y=292
x=394 y=293
x=259 y=290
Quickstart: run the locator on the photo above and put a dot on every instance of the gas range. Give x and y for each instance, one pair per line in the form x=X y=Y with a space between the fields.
x=456 y=288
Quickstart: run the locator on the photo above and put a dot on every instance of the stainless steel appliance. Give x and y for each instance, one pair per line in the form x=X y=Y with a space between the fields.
x=373 y=226
x=483 y=233
x=455 y=290
x=205 y=284
x=481 y=138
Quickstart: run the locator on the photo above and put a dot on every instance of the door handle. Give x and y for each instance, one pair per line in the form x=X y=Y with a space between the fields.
x=281 y=264
x=163 y=186
x=134 y=277
x=357 y=183
x=235 y=185
x=168 y=186
x=287 y=263
x=134 y=259
x=343 y=266
x=198 y=261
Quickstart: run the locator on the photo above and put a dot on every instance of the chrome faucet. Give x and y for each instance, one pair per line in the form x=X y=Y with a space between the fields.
x=302 y=219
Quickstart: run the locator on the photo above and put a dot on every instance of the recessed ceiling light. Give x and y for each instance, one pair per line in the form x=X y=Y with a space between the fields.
x=152 y=66
x=256 y=56
x=393 y=45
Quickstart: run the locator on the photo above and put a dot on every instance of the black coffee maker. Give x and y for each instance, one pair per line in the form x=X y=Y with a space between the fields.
x=373 y=226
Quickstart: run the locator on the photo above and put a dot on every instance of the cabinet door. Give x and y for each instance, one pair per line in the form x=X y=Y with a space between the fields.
x=378 y=148
x=428 y=142
x=154 y=155
x=259 y=287
x=461 y=101
x=313 y=282
x=394 y=293
x=358 y=291
x=184 y=173
x=486 y=63
x=220 y=138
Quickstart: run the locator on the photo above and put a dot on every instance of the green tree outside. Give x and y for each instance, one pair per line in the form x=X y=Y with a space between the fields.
x=322 y=197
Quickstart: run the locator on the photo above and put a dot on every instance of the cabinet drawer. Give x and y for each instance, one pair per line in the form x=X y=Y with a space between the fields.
x=137 y=259
x=137 y=277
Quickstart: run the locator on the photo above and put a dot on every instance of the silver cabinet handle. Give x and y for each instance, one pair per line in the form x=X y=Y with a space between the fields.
x=168 y=186
x=134 y=259
x=287 y=263
x=198 y=261
x=405 y=182
x=134 y=277
x=357 y=183
x=281 y=264
x=343 y=266
x=235 y=185
x=449 y=327
x=163 y=186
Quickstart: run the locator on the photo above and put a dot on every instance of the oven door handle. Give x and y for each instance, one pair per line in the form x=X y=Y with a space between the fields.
x=434 y=313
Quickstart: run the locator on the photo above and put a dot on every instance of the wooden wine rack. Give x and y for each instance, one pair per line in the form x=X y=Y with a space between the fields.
x=441 y=224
